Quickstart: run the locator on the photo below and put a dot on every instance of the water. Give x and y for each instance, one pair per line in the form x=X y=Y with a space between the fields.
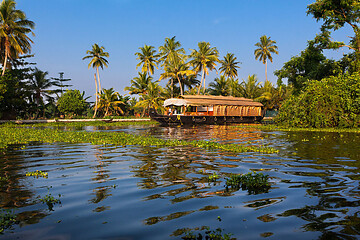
x=159 y=192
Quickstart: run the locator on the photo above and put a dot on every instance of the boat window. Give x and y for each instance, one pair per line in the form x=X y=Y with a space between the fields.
x=202 y=109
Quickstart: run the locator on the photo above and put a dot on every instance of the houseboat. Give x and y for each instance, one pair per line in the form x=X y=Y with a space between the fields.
x=205 y=109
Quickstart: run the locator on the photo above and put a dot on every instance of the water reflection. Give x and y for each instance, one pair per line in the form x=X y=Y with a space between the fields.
x=149 y=192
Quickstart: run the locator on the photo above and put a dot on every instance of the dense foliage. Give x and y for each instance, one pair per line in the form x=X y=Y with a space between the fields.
x=331 y=102
x=72 y=102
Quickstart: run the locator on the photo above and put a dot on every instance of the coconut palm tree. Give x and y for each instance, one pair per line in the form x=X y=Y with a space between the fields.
x=234 y=87
x=148 y=59
x=203 y=60
x=109 y=101
x=139 y=84
x=98 y=59
x=219 y=86
x=174 y=70
x=251 y=88
x=171 y=52
x=39 y=87
x=266 y=46
x=189 y=81
x=14 y=27
x=153 y=98
x=229 y=66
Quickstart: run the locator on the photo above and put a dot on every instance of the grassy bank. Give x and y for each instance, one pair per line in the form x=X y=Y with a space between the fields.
x=295 y=129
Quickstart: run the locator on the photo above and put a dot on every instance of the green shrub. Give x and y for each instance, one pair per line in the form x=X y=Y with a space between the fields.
x=331 y=102
x=72 y=102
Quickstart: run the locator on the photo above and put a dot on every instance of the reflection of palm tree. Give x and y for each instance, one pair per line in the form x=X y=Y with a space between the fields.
x=229 y=66
x=264 y=50
x=148 y=59
x=13 y=29
x=204 y=60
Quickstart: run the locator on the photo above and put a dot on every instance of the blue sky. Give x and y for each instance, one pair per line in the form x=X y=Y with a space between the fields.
x=65 y=29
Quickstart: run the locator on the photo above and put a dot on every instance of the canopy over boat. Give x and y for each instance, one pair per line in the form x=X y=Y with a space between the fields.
x=207 y=100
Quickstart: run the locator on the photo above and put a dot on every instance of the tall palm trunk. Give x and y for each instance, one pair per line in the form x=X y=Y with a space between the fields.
x=98 y=75
x=4 y=65
x=181 y=88
x=172 y=87
x=96 y=96
x=202 y=77
x=7 y=51
x=266 y=69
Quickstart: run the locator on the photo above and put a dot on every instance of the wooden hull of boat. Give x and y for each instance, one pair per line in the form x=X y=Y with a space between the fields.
x=210 y=120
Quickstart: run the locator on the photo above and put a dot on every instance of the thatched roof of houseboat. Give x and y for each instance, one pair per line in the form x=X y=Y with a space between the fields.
x=208 y=100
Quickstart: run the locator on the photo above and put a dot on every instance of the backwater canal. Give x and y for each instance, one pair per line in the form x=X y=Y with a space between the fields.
x=133 y=192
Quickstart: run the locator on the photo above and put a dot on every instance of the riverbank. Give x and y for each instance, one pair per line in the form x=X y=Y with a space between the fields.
x=76 y=120
x=273 y=127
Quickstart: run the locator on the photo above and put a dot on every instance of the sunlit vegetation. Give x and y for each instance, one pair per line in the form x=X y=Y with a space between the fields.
x=14 y=135
x=37 y=174
x=213 y=177
x=28 y=93
x=273 y=127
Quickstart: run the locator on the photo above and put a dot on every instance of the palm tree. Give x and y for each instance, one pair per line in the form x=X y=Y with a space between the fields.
x=234 y=87
x=219 y=86
x=264 y=50
x=39 y=87
x=98 y=59
x=204 y=60
x=189 y=81
x=229 y=66
x=171 y=52
x=153 y=98
x=14 y=28
x=139 y=84
x=174 y=70
x=251 y=88
x=109 y=101
x=148 y=59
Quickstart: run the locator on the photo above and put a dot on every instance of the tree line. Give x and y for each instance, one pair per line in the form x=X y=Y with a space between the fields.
x=28 y=92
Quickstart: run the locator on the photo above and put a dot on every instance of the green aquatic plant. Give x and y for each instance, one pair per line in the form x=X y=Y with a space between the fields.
x=252 y=181
x=274 y=127
x=15 y=135
x=37 y=174
x=4 y=179
x=7 y=219
x=209 y=234
x=213 y=177
x=50 y=201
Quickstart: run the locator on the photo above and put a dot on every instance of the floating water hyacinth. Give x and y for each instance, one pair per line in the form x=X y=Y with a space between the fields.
x=50 y=201
x=7 y=219
x=252 y=181
x=14 y=135
x=37 y=174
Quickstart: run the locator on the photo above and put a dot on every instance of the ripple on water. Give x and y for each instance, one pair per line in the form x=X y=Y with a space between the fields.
x=110 y=192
